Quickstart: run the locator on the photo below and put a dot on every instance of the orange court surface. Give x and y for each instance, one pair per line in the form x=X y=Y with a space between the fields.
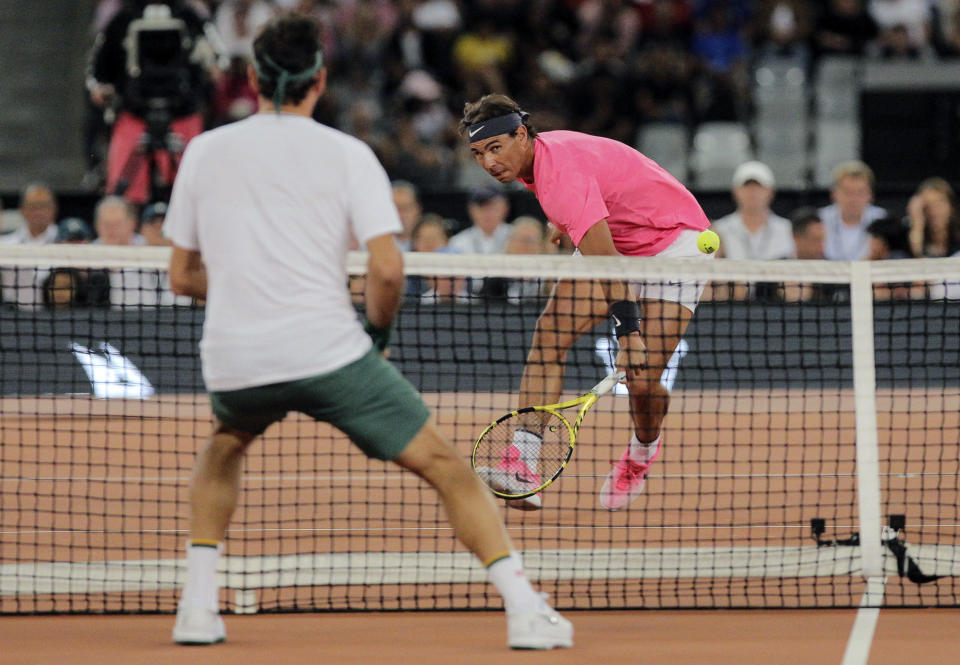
x=703 y=637
x=104 y=481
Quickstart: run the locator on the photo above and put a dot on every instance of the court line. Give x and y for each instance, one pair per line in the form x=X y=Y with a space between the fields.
x=366 y=568
x=406 y=477
x=864 y=626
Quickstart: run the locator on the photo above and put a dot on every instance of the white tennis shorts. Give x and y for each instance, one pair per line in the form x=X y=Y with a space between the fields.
x=685 y=292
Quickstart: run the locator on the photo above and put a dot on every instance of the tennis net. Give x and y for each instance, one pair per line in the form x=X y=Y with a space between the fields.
x=812 y=443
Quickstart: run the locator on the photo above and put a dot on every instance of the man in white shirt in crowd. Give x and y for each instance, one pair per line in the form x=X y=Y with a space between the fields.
x=489 y=232
x=22 y=287
x=845 y=221
x=753 y=231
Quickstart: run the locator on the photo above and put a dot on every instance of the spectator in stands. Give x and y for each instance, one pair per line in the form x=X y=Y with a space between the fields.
x=753 y=230
x=23 y=286
x=63 y=288
x=808 y=241
x=527 y=236
x=431 y=234
x=947 y=38
x=889 y=239
x=407 y=201
x=808 y=233
x=116 y=223
x=90 y=288
x=151 y=225
x=844 y=27
x=482 y=56
x=38 y=207
x=845 y=221
x=663 y=85
x=895 y=44
x=934 y=219
x=10 y=220
x=238 y=22
x=487 y=208
x=783 y=29
x=719 y=43
x=912 y=17
x=74 y=231
x=233 y=97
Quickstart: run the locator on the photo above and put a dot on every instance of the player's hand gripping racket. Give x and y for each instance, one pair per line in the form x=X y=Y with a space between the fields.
x=515 y=467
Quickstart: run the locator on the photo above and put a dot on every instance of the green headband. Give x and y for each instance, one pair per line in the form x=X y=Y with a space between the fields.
x=280 y=93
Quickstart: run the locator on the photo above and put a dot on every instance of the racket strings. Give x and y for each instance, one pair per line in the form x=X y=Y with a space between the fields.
x=513 y=452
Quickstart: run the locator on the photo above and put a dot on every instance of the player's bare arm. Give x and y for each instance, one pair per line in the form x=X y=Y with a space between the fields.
x=188 y=276
x=384 y=281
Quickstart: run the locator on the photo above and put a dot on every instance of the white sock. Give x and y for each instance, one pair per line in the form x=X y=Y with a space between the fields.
x=201 y=589
x=528 y=444
x=507 y=576
x=641 y=452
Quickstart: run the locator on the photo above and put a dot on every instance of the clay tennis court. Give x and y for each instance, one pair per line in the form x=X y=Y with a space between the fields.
x=725 y=523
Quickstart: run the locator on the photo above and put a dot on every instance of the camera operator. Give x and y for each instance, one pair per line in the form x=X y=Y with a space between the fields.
x=151 y=66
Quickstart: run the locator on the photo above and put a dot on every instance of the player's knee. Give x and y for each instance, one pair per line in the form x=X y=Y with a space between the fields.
x=429 y=455
x=648 y=388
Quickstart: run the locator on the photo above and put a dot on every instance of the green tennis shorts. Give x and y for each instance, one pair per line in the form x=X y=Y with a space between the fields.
x=368 y=400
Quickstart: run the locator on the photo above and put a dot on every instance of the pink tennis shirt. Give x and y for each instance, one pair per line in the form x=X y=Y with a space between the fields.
x=580 y=179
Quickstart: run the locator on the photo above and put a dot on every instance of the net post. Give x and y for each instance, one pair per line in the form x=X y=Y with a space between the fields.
x=865 y=410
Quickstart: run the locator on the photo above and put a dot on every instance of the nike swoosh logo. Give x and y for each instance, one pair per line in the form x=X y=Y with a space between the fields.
x=475 y=131
x=616 y=321
x=523 y=478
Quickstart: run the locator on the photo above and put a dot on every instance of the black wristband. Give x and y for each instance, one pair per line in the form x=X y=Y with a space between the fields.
x=626 y=317
x=379 y=336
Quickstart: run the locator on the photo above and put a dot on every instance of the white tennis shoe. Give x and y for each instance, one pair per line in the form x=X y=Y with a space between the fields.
x=198 y=626
x=542 y=628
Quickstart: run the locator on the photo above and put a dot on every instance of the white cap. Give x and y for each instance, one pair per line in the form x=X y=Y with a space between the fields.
x=756 y=171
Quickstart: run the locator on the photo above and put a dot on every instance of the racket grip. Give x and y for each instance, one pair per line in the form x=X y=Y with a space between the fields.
x=608 y=383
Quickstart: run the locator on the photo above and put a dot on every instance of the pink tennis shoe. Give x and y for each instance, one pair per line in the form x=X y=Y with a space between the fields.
x=513 y=476
x=625 y=482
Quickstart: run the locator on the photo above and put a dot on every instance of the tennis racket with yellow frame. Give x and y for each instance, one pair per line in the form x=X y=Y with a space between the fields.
x=517 y=471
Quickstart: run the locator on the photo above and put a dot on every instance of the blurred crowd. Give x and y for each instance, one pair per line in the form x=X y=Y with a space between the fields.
x=401 y=70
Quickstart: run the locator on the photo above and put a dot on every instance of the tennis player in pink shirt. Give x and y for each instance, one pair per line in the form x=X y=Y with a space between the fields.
x=611 y=201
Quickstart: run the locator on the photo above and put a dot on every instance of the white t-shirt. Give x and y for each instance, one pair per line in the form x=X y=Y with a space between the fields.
x=847 y=243
x=271 y=203
x=474 y=241
x=23 y=286
x=773 y=241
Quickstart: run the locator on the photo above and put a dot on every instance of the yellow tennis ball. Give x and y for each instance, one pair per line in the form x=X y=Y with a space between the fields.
x=708 y=242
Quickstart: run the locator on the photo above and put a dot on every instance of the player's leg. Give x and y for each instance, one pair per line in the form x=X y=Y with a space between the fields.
x=214 y=489
x=386 y=418
x=575 y=307
x=531 y=623
x=662 y=328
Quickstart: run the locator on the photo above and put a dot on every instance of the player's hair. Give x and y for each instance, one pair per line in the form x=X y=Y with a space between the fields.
x=894 y=233
x=802 y=218
x=853 y=168
x=113 y=201
x=493 y=106
x=292 y=42
x=940 y=185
